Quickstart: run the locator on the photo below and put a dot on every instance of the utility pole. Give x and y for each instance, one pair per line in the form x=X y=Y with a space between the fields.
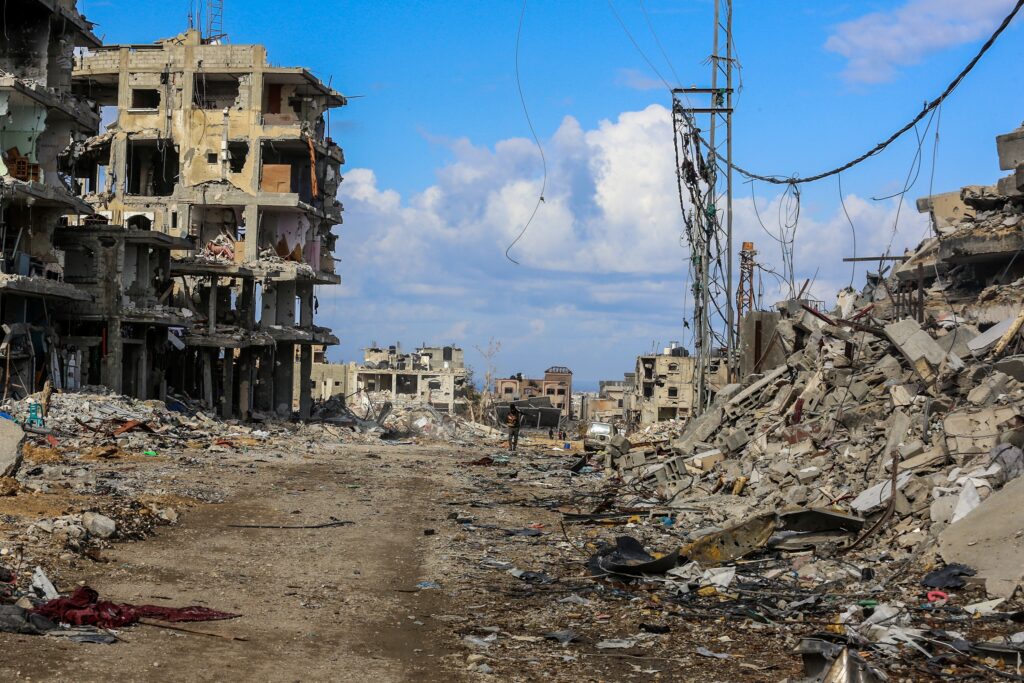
x=705 y=172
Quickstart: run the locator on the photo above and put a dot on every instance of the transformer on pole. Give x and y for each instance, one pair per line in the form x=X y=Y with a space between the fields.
x=705 y=175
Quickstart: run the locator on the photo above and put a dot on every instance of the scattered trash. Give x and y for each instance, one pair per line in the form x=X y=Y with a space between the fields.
x=950 y=576
x=616 y=644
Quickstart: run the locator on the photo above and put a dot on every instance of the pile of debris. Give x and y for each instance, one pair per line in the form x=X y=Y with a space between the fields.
x=887 y=443
x=380 y=415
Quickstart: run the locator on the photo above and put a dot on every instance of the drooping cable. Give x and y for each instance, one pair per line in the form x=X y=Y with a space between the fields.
x=639 y=49
x=536 y=139
x=853 y=230
x=657 y=41
x=928 y=108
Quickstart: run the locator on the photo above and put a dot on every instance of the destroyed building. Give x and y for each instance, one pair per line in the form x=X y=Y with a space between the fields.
x=556 y=386
x=39 y=117
x=213 y=145
x=609 y=403
x=434 y=375
x=664 y=385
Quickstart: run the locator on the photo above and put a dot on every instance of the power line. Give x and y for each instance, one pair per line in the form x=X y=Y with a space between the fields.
x=643 y=54
x=657 y=41
x=929 y=107
x=536 y=139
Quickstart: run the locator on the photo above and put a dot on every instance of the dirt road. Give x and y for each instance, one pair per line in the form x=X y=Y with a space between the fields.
x=508 y=595
x=335 y=604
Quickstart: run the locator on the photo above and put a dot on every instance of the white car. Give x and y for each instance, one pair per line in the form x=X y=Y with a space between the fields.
x=598 y=435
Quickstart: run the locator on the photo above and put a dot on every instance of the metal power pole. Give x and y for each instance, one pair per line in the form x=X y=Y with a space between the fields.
x=706 y=174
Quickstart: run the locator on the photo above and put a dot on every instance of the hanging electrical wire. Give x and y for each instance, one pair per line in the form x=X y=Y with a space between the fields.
x=657 y=41
x=928 y=108
x=536 y=139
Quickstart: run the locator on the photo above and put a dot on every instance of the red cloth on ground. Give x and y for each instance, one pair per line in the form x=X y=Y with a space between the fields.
x=84 y=608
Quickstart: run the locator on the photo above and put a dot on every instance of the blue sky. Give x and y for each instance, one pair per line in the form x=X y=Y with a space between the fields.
x=442 y=172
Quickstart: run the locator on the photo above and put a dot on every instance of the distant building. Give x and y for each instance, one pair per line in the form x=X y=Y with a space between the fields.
x=664 y=385
x=608 y=404
x=431 y=374
x=556 y=386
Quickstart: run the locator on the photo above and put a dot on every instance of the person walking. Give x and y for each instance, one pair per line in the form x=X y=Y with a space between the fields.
x=512 y=421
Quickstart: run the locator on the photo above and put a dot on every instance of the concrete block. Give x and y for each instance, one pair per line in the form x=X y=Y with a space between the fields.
x=806 y=475
x=736 y=440
x=911 y=449
x=620 y=444
x=99 y=525
x=11 y=436
x=705 y=461
x=1011 y=149
x=918 y=347
x=989 y=390
x=1012 y=366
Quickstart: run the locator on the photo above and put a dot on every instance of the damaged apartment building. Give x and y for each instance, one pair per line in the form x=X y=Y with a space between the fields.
x=435 y=375
x=555 y=387
x=39 y=119
x=228 y=159
x=663 y=387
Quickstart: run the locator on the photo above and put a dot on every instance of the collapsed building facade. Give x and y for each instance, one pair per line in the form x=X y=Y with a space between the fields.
x=229 y=156
x=663 y=387
x=609 y=404
x=901 y=411
x=432 y=375
x=39 y=116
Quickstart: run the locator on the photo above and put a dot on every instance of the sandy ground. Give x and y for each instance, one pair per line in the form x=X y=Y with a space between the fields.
x=334 y=604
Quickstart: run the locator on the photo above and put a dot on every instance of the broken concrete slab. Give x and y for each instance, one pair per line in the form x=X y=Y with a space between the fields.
x=11 y=436
x=873 y=498
x=920 y=350
x=990 y=389
x=988 y=540
x=980 y=345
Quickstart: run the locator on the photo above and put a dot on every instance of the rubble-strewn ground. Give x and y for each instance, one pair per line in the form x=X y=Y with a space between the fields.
x=423 y=585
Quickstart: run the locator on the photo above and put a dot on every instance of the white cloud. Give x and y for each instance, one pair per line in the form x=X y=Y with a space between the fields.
x=457 y=332
x=876 y=45
x=602 y=275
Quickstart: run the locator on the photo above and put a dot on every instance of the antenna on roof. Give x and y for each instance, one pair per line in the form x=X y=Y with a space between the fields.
x=215 y=23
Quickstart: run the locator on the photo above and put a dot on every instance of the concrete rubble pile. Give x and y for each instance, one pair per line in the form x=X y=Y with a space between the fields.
x=915 y=385
x=381 y=415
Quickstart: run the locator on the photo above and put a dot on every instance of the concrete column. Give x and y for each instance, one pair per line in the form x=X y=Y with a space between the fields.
x=245 y=368
x=227 y=393
x=212 y=313
x=142 y=373
x=305 y=294
x=268 y=316
x=247 y=304
x=112 y=368
x=286 y=303
x=284 y=374
x=208 y=356
x=251 y=215
x=305 y=386
x=263 y=393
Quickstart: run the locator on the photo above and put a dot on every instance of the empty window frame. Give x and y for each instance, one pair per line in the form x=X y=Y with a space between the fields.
x=145 y=98
x=214 y=91
x=153 y=168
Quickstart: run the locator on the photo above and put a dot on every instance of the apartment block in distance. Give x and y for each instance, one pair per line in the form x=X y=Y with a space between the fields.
x=556 y=385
